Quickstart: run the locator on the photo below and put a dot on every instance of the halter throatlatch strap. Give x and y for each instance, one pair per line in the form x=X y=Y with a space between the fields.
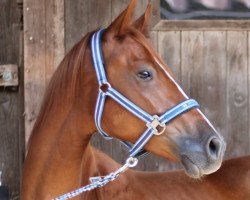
x=155 y=125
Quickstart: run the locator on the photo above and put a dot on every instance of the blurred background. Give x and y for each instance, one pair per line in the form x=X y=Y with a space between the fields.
x=205 y=9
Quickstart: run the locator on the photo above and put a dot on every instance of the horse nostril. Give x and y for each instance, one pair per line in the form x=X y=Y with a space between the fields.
x=214 y=148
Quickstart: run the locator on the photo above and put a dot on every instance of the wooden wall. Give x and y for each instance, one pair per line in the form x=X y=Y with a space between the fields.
x=11 y=103
x=211 y=61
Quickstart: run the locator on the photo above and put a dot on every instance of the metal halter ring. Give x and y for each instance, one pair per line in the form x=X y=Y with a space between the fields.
x=104 y=87
x=131 y=162
x=158 y=127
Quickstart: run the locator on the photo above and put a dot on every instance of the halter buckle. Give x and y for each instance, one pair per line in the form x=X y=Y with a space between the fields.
x=158 y=127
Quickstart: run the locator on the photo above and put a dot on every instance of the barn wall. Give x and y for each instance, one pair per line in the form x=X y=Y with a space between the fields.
x=212 y=64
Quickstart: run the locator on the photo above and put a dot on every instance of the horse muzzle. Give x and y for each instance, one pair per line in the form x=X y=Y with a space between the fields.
x=202 y=158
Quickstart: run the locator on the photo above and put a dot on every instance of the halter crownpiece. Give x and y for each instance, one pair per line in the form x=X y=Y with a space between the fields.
x=156 y=125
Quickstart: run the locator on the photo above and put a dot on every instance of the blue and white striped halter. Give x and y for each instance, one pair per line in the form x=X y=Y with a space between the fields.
x=155 y=124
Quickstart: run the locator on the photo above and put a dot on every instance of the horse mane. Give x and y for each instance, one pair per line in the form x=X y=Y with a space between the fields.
x=64 y=84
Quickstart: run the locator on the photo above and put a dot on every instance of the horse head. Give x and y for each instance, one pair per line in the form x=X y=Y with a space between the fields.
x=135 y=69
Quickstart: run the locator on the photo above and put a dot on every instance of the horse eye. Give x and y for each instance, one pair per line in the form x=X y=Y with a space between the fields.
x=145 y=75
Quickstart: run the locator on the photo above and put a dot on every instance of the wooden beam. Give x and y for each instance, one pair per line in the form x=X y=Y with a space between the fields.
x=76 y=21
x=169 y=44
x=248 y=64
x=192 y=63
x=217 y=25
x=237 y=93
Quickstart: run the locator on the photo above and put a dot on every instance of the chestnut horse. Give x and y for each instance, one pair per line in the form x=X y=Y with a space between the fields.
x=230 y=182
x=60 y=158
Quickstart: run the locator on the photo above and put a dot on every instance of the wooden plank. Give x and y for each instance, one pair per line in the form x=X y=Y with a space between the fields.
x=192 y=63
x=155 y=18
x=170 y=49
x=34 y=60
x=11 y=104
x=54 y=43
x=40 y=40
x=76 y=21
x=237 y=94
x=99 y=14
x=248 y=64
x=154 y=39
x=214 y=86
x=216 y=25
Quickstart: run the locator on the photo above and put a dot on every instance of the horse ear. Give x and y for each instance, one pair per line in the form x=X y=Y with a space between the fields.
x=142 y=23
x=123 y=21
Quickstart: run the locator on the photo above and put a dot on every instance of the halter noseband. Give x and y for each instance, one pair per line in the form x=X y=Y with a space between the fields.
x=156 y=125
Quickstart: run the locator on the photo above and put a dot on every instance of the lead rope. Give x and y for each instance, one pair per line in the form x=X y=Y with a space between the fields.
x=100 y=181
